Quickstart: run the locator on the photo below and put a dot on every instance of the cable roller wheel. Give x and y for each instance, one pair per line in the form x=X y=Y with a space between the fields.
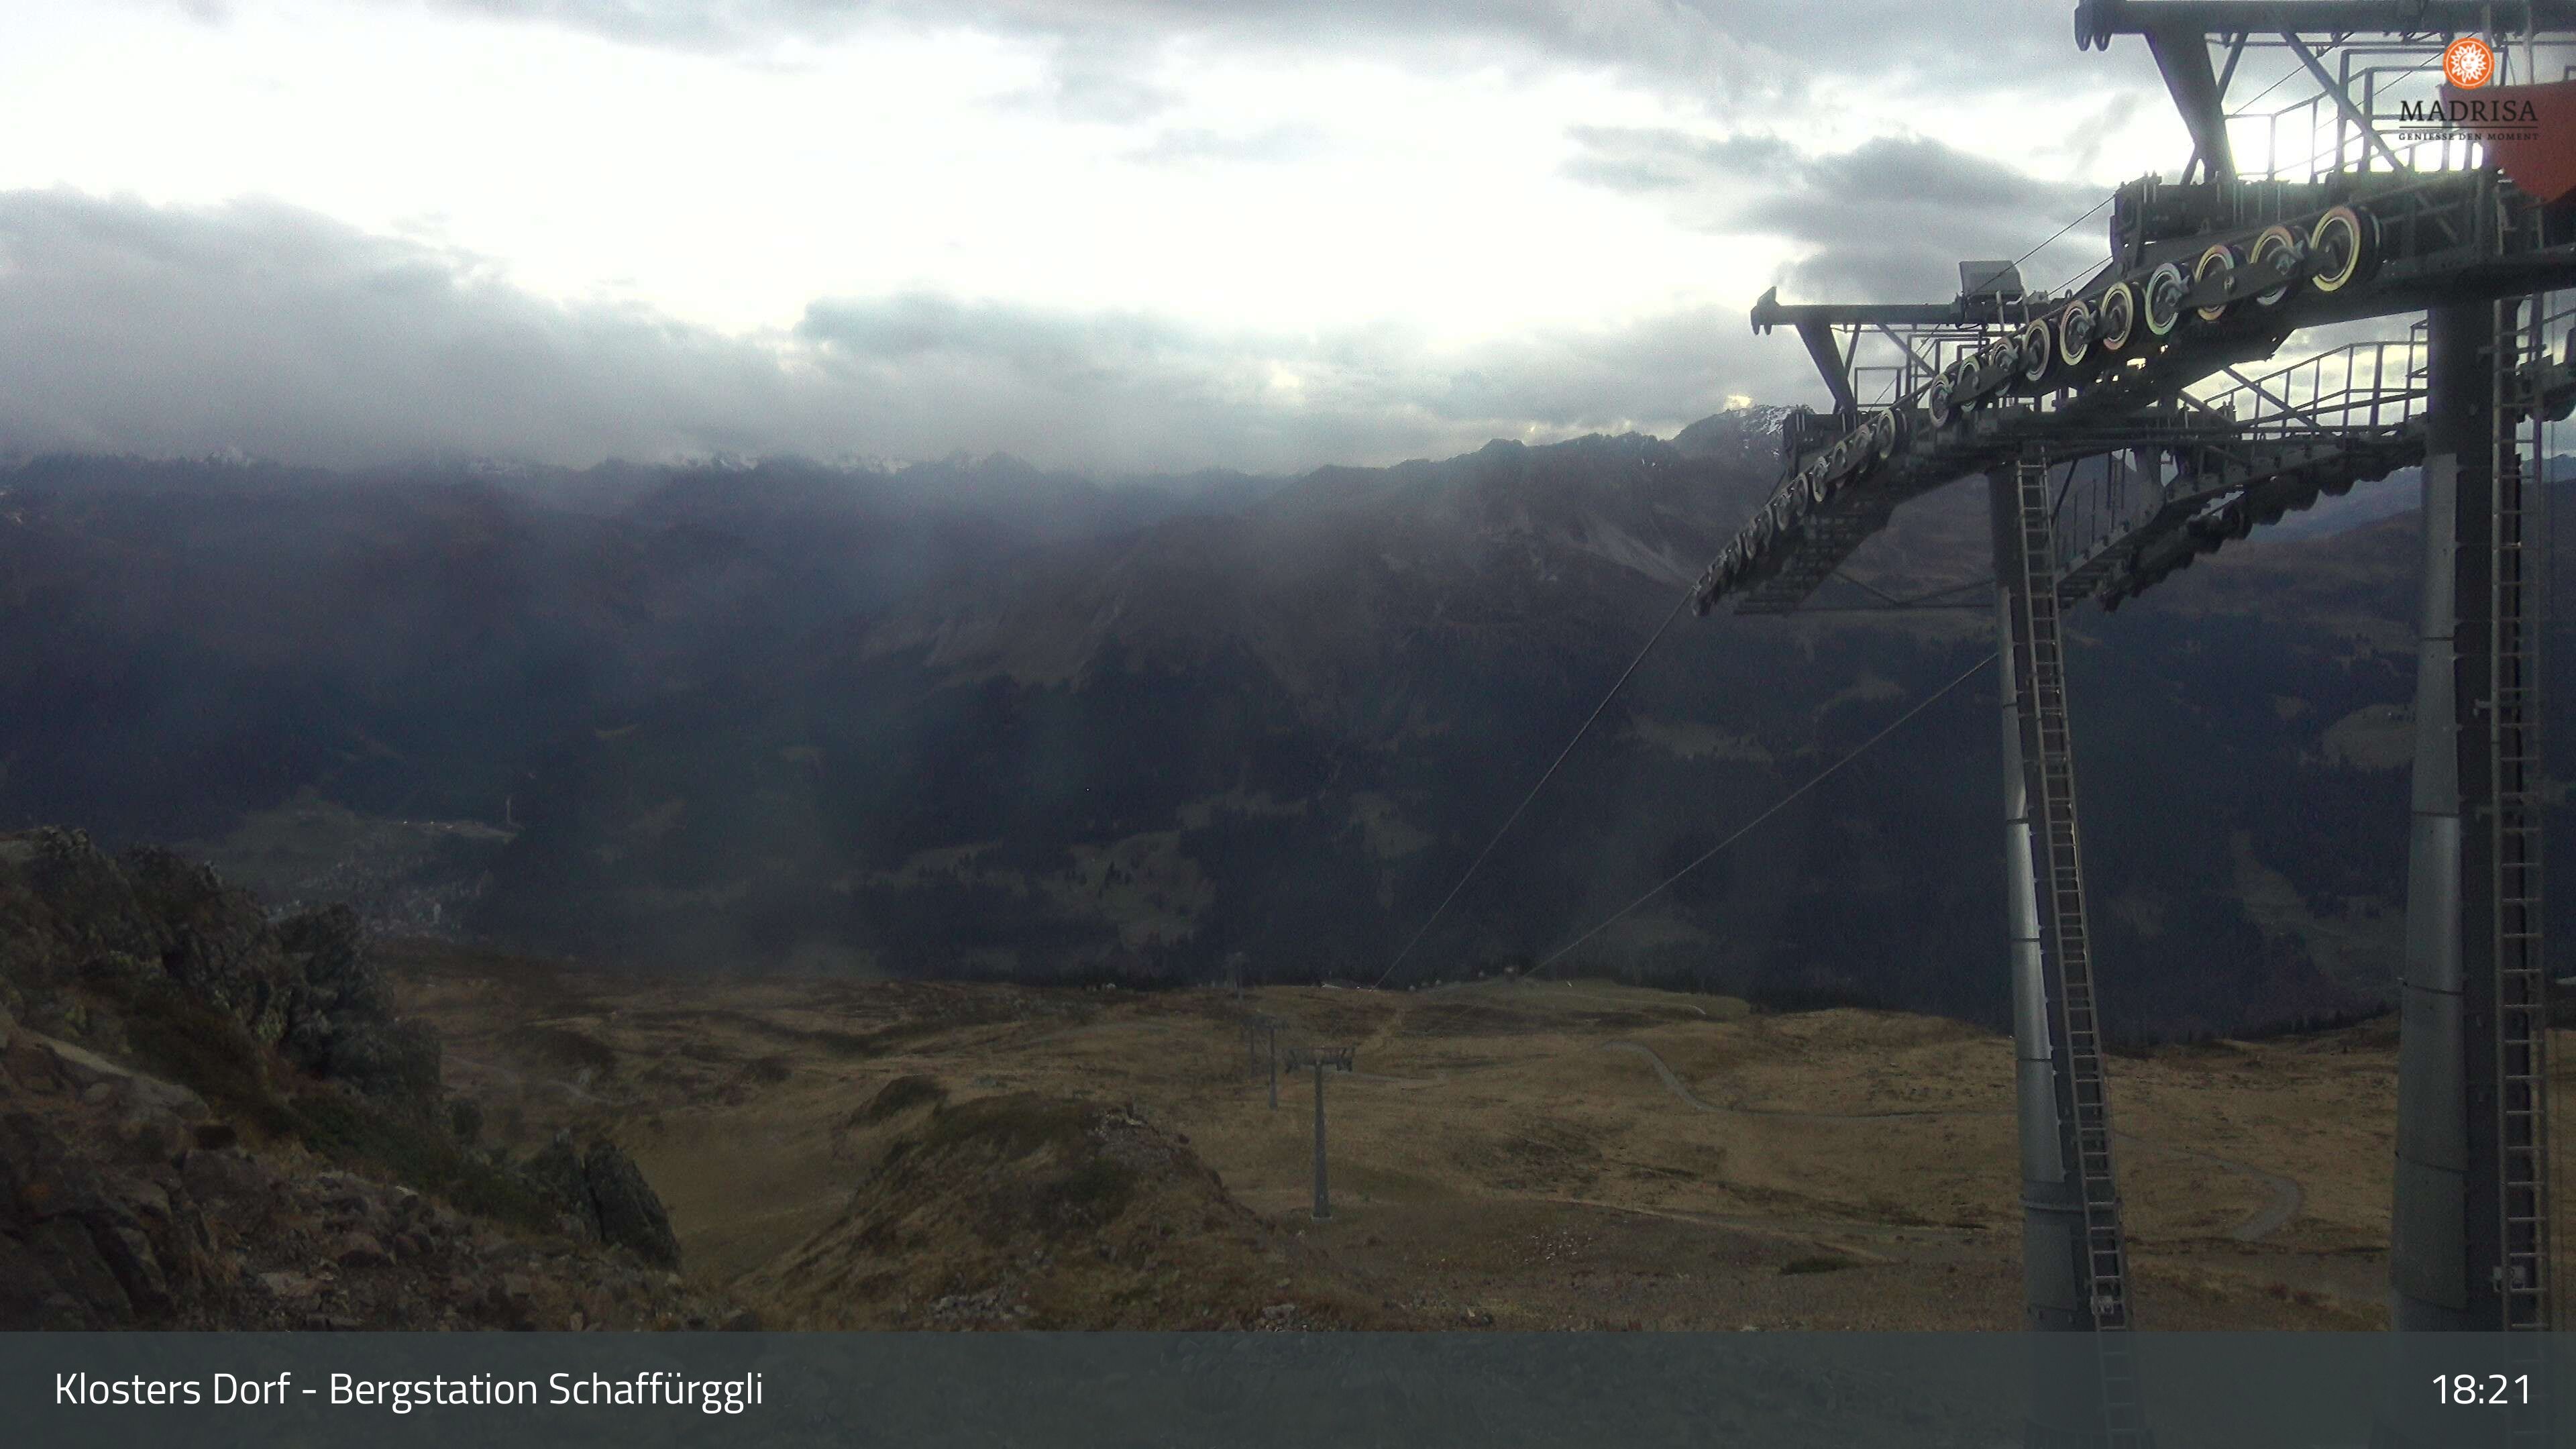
x=2118 y=317
x=1976 y=379
x=1859 y=452
x=2161 y=307
x=2220 y=258
x=1936 y=401
x=2275 y=239
x=2038 y=352
x=2344 y=243
x=1883 y=435
x=2075 y=335
x=1997 y=366
x=1967 y=381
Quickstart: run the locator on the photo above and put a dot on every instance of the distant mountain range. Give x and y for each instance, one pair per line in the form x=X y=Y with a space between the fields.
x=976 y=718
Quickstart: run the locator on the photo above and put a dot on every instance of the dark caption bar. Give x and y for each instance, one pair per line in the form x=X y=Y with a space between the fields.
x=1242 y=1391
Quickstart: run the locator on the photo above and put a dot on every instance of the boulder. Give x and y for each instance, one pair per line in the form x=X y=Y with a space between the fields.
x=605 y=1198
x=359 y=1250
x=629 y=1212
x=32 y=1296
x=214 y=941
x=57 y=1264
x=242 y=1186
x=340 y=1019
x=91 y=1242
x=100 y=1080
x=557 y=1171
x=294 y=1287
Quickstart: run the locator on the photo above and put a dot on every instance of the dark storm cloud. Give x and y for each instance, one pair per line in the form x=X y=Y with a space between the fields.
x=125 y=327
x=1888 y=220
x=131 y=328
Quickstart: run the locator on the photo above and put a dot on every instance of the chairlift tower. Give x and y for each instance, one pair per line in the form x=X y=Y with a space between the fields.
x=2121 y=437
x=1261 y=1039
x=1321 y=1059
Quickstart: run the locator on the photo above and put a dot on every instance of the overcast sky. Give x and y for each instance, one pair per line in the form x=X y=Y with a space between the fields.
x=1110 y=234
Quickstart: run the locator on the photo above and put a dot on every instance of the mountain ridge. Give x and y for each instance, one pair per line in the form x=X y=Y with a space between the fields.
x=765 y=719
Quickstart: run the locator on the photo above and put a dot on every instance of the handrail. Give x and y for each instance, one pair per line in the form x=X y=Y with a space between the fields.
x=2361 y=386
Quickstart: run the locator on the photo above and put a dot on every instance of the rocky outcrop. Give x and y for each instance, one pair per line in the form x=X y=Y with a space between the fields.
x=1035 y=1211
x=555 y=1170
x=341 y=1022
x=306 y=986
x=214 y=943
x=64 y=907
x=156 y=1028
x=97 y=1228
x=606 y=1197
x=630 y=1212
x=124 y=1204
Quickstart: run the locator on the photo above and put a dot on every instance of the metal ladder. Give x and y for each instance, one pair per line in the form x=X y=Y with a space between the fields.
x=2048 y=759
x=2522 y=985
x=2522 y=977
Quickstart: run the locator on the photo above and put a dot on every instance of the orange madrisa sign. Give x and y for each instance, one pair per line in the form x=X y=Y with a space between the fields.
x=2530 y=132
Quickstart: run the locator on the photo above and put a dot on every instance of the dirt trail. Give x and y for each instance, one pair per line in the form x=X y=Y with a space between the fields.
x=2287 y=1197
x=1405 y=1082
x=1837 y=1236
x=523 y=1082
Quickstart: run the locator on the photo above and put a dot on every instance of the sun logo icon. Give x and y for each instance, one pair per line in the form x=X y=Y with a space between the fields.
x=2469 y=63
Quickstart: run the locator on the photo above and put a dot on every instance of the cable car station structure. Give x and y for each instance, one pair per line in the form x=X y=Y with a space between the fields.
x=2121 y=436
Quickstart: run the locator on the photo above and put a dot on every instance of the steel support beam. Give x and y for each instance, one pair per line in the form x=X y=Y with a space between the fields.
x=2442 y=1223
x=1323 y=1195
x=2334 y=91
x=2469 y=1239
x=2096 y=21
x=1769 y=312
x=2182 y=56
x=2052 y=1214
x=1831 y=365
x=2083 y=1387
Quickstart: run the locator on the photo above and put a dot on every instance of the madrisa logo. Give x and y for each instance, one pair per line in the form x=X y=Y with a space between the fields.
x=2506 y=113
x=2482 y=112
x=2469 y=63
x=2488 y=118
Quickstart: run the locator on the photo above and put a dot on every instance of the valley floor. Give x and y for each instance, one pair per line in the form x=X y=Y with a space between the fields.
x=1504 y=1155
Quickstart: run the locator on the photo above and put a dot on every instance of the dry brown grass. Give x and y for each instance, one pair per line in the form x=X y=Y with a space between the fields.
x=1493 y=1162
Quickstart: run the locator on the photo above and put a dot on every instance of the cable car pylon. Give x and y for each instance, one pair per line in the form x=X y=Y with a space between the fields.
x=2131 y=381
